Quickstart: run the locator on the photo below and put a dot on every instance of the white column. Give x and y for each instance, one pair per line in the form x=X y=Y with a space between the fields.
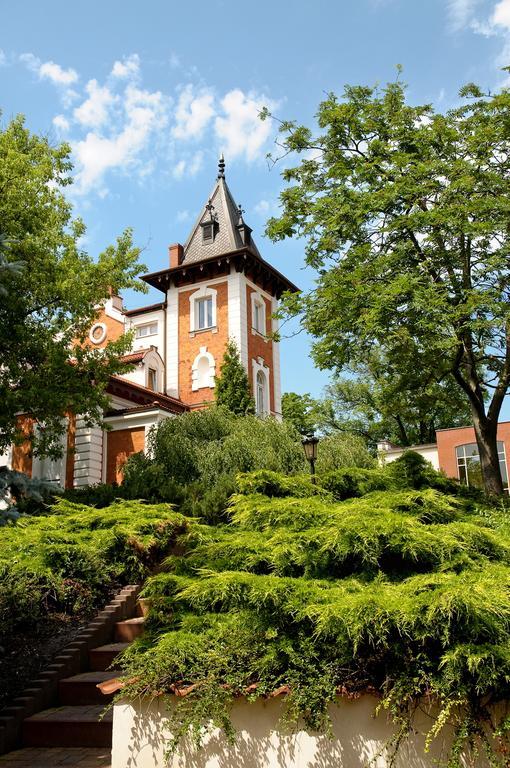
x=237 y=314
x=276 y=365
x=88 y=457
x=172 y=343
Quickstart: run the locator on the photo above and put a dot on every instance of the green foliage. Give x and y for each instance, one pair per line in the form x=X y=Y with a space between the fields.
x=404 y=590
x=232 y=388
x=197 y=456
x=342 y=449
x=301 y=411
x=405 y=216
x=69 y=560
x=50 y=291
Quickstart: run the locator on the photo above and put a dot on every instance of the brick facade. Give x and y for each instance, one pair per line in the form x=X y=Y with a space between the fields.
x=214 y=340
x=449 y=439
x=120 y=445
x=22 y=454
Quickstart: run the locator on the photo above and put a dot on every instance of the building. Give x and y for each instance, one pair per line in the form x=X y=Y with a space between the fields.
x=455 y=453
x=214 y=288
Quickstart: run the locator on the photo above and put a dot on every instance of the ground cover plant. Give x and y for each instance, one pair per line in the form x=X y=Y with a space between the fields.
x=402 y=587
x=67 y=562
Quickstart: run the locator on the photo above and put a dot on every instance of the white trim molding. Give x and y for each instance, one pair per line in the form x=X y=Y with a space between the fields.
x=201 y=376
x=237 y=316
x=203 y=292
x=172 y=343
x=97 y=339
x=277 y=387
x=258 y=365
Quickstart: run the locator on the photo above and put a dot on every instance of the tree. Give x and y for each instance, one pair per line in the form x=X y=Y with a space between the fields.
x=232 y=388
x=384 y=400
x=50 y=293
x=300 y=411
x=406 y=216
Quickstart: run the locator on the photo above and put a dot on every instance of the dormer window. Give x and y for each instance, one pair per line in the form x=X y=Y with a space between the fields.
x=208 y=232
x=210 y=225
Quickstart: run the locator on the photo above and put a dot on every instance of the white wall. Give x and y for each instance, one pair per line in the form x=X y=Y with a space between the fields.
x=429 y=452
x=156 y=340
x=358 y=738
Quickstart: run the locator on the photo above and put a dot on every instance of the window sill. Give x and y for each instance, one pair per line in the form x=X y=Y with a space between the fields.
x=259 y=334
x=211 y=329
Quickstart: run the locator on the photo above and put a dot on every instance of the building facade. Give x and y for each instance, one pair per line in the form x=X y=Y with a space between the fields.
x=455 y=453
x=213 y=288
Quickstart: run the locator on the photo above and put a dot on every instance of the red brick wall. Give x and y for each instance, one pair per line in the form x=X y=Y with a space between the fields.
x=189 y=345
x=120 y=445
x=22 y=454
x=114 y=329
x=449 y=439
x=258 y=346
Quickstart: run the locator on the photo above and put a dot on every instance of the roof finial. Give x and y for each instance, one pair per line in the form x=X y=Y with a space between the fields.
x=221 y=167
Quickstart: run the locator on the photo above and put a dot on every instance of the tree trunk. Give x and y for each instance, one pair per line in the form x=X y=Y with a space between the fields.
x=486 y=438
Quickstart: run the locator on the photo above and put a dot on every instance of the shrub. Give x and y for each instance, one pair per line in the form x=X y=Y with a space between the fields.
x=403 y=590
x=273 y=484
x=343 y=450
x=69 y=561
x=349 y=482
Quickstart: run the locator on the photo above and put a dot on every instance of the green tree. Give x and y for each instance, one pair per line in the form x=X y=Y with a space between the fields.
x=405 y=213
x=232 y=388
x=301 y=411
x=51 y=290
x=382 y=399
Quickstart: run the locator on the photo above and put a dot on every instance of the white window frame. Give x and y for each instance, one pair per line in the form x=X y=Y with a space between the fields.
x=259 y=366
x=142 y=326
x=155 y=388
x=195 y=381
x=257 y=300
x=204 y=292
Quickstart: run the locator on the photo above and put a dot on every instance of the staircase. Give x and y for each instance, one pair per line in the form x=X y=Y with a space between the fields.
x=75 y=731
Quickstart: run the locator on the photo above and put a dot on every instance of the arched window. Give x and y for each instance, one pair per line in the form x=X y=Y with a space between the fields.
x=261 y=394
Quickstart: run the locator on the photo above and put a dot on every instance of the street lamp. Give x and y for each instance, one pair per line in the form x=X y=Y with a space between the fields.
x=310 y=448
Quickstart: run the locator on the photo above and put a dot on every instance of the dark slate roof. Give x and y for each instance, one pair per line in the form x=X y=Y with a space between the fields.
x=227 y=237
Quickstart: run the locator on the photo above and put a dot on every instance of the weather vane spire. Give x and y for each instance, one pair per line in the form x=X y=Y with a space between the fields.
x=221 y=167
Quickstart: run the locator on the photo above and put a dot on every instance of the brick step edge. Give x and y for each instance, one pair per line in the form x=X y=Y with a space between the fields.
x=42 y=692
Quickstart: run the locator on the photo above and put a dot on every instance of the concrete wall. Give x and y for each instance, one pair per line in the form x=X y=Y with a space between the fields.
x=358 y=739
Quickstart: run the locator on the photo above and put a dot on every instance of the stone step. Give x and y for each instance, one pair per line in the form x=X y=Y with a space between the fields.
x=129 y=630
x=82 y=688
x=80 y=726
x=51 y=757
x=102 y=657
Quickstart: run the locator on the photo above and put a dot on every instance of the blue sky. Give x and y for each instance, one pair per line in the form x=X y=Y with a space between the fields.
x=149 y=94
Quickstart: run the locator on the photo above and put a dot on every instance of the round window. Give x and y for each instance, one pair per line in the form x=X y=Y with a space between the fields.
x=97 y=333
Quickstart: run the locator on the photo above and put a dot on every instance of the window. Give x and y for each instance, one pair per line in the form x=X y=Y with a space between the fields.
x=261 y=394
x=258 y=317
x=203 y=313
x=152 y=379
x=97 y=333
x=207 y=232
x=150 y=329
x=470 y=470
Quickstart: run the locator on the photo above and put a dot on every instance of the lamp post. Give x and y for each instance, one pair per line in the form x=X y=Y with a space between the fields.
x=310 y=448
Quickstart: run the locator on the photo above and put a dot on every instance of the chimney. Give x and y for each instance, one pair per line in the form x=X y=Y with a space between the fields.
x=115 y=299
x=176 y=252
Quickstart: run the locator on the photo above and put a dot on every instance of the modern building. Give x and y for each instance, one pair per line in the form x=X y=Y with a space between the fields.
x=455 y=452
x=214 y=288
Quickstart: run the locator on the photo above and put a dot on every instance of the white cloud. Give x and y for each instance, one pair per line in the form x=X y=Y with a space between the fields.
x=56 y=74
x=129 y=67
x=241 y=131
x=461 y=13
x=3 y=58
x=183 y=216
x=144 y=114
x=262 y=207
x=192 y=113
x=190 y=167
x=501 y=14
x=93 y=112
x=61 y=123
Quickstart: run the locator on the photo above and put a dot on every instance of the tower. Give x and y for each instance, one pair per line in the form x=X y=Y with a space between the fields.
x=217 y=287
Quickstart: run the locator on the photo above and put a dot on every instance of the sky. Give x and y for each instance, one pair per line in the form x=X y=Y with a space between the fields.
x=149 y=94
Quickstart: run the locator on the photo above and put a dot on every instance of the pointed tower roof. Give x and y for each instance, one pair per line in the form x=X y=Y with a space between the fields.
x=227 y=228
